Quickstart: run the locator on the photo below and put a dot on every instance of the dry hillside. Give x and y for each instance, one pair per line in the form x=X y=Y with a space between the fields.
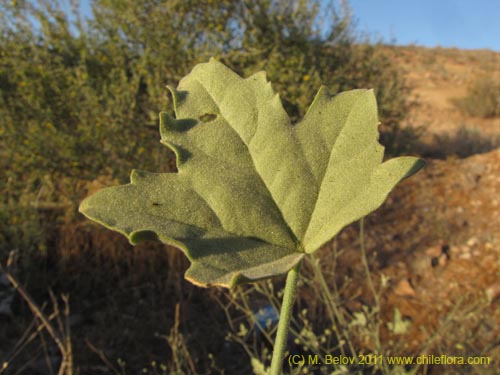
x=436 y=241
x=438 y=76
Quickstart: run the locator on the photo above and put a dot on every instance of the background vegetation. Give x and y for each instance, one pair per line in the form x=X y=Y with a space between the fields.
x=80 y=97
x=483 y=98
x=79 y=104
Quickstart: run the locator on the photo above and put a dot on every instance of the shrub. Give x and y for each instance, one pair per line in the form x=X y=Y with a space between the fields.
x=72 y=91
x=482 y=99
x=465 y=142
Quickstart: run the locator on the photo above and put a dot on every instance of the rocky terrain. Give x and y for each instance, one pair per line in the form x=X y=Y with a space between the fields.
x=436 y=241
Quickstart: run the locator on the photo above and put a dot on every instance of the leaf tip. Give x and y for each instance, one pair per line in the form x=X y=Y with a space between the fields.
x=177 y=96
x=136 y=175
x=88 y=204
x=417 y=165
x=82 y=208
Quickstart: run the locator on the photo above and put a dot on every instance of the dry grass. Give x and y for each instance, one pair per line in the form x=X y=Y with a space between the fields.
x=125 y=304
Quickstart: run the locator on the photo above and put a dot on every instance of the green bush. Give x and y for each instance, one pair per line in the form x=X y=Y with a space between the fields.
x=74 y=91
x=482 y=100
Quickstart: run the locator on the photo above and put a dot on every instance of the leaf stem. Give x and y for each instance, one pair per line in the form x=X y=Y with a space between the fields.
x=284 y=322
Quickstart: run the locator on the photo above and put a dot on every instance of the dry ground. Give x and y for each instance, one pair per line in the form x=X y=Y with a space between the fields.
x=439 y=75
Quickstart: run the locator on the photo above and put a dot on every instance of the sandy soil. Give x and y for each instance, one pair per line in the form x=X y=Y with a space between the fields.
x=439 y=75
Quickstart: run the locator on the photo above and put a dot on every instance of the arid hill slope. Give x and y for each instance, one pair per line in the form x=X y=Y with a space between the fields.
x=438 y=75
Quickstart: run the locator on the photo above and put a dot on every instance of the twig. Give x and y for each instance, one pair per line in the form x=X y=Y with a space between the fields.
x=37 y=312
x=67 y=337
x=102 y=357
x=26 y=338
x=376 y=297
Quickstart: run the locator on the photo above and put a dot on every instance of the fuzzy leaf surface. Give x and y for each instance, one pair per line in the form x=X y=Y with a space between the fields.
x=253 y=194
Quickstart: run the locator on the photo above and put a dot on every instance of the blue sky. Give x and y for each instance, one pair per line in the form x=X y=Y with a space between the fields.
x=467 y=24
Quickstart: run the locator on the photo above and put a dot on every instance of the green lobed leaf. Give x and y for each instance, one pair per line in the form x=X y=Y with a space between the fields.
x=253 y=194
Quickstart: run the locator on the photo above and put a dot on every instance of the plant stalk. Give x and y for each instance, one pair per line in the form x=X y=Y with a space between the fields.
x=284 y=321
